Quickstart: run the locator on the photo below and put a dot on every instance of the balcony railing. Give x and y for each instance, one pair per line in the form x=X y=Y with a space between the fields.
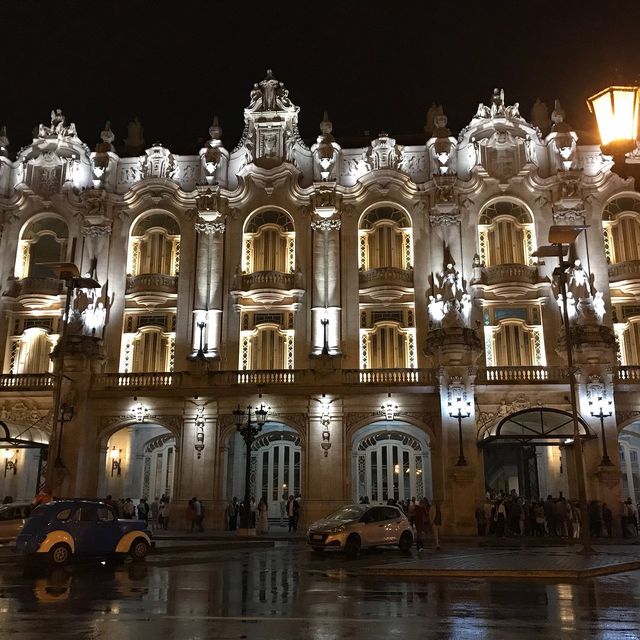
x=628 y=373
x=503 y=273
x=629 y=270
x=386 y=276
x=26 y=381
x=522 y=375
x=425 y=377
x=152 y=282
x=154 y=380
x=269 y=280
x=20 y=287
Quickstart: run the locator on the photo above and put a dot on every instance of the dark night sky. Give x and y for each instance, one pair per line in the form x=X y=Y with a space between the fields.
x=374 y=65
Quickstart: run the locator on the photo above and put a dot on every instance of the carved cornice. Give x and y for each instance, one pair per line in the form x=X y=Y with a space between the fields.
x=210 y=228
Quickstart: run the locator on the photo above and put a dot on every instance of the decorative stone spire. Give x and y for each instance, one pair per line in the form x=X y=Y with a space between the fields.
x=134 y=142
x=540 y=116
x=4 y=141
x=563 y=137
x=325 y=151
x=214 y=156
x=107 y=137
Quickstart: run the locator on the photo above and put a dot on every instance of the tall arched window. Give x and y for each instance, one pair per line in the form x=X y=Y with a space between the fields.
x=513 y=337
x=505 y=234
x=621 y=225
x=266 y=347
x=385 y=239
x=387 y=346
x=269 y=243
x=30 y=352
x=154 y=246
x=44 y=239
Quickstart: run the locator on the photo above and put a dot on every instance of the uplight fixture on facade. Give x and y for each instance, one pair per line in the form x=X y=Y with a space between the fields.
x=616 y=112
x=9 y=463
x=116 y=461
x=389 y=408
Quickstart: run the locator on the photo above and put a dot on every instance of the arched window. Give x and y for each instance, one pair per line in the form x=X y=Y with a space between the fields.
x=267 y=347
x=385 y=239
x=513 y=337
x=154 y=246
x=148 y=345
x=505 y=234
x=628 y=334
x=269 y=243
x=621 y=225
x=30 y=352
x=44 y=239
x=388 y=346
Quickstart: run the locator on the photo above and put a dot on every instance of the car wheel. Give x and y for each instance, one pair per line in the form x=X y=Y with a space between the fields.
x=139 y=549
x=353 y=545
x=406 y=540
x=60 y=553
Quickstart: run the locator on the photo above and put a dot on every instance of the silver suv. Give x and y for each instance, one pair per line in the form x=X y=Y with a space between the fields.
x=358 y=526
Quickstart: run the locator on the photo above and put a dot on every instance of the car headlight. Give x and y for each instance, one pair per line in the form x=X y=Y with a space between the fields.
x=337 y=529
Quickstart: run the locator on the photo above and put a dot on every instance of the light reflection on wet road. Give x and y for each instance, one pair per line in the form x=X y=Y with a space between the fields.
x=286 y=593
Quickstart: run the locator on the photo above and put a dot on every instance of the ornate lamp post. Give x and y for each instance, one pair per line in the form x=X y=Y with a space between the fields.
x=560 y=238
x=459 y=409
x=616 y=112
x=248 y=427
x=68 y=272
x=602 y=403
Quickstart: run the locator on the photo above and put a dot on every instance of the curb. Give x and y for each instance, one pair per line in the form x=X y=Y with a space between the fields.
x=514 y=574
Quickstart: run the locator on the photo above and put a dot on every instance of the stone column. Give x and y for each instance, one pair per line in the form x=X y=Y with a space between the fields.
x=326 y=308
x=324 y=462
x=79 y=449
x=208 y=289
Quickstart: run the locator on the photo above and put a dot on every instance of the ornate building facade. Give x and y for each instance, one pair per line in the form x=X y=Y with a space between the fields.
x=384 y=302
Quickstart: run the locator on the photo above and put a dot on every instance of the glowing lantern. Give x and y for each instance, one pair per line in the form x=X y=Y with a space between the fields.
x=616 y=111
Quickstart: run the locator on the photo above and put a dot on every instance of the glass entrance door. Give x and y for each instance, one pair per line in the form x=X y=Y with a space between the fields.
x=276 y=469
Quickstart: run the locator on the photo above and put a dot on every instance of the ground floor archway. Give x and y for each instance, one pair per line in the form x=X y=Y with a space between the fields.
x=391 y=460
x=528 y=452
x=139 y=462
x=276 y=467
x=629 y=451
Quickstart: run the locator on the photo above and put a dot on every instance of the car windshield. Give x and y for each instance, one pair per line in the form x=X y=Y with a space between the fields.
x=348 y=513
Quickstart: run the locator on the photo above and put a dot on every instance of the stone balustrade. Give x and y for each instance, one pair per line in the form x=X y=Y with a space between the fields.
x=152 y=282
x=501 y=273
x=624 y=271
x=386 y=276
x=522 y=375
x=20 y=287
x=26 y=381
x=269 y=280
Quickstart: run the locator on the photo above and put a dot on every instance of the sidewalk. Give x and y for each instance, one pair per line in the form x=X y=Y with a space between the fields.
x=525 y=563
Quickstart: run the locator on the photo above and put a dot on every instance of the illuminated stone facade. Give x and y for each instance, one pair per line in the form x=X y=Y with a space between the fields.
x=364 y=294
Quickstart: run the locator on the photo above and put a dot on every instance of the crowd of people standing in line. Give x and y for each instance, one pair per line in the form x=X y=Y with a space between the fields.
x=259 y=513
x=511 y=515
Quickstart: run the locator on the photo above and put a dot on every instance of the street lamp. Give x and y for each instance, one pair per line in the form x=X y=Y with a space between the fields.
x=9 y=463
x=116 y=461
x=462 y=410
x=616 y=111
x=69 y=273
x=248 y=428
x=65 y=415
x=601 y=404
x=560 y=237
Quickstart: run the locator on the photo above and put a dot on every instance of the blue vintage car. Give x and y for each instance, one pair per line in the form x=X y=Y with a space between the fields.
x=63 y=529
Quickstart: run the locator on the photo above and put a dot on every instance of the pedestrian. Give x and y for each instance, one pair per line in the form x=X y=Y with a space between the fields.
x=191 y=515
x=263 y=511
x=411 y=509
x=129 y=509
x=283 y=509
x=576 y=519
x=167 y=513
x=481 y=521
x=154 y=509
x=435 y=520
x=421 y=515
x=253 y=508
x=624 y=519
x=143 y=511
x=595 y=519
x=538 y=515
x=199 y=507
x=297 y=506
x=500 y=518
x=632 y=517
x=291 y=513
x=42 y=497
x=607 y=519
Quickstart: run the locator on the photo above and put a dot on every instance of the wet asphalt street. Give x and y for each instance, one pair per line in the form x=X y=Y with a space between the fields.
x=285 y=592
